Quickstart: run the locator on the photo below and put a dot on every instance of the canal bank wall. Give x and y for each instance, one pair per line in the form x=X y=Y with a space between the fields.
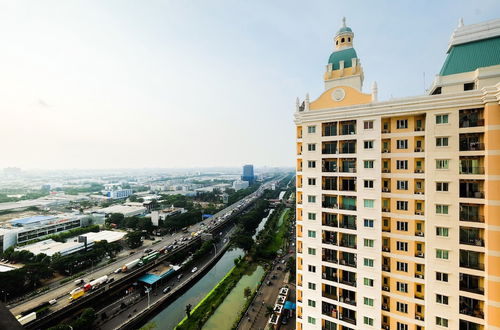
x=145 y=315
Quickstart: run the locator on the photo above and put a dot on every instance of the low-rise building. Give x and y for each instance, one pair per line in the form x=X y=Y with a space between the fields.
x=127 y=211
x=238 y=185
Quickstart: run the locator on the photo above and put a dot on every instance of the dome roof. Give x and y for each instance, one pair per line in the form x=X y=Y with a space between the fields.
x=344 y=29
x=345 y=55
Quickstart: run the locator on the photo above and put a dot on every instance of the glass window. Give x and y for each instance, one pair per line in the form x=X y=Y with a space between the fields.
x=368 y=262
x=368 y=223
x=402 y=184
x=402 y=266
x=441 y=142
x=368 y=242
x=369 y=203
x=442 y=164
x=442 y=321
x=368 y=183
x=368 y=163
x=442 y=186
x=442 y=119
x=402 y=123
x=442 y=209
x=311 y=146
x=442 y=299
x=311 y=286
x=311 y=251
x=402 y=287
x=311 y=199
x=311 y=320
x=368 y=320
x=311 y=216
x=368 y=281
x=402 y=144
x=311 y=164
x=402 y=246
x=311 y=181
x=311 y=234
x=368 y=124
x=311 y=303
x=368 y=144
x=442 y=277
x=311 y=129
x=402 y=205
x=402 y=225
x=442 y=254
x=401 y=307
x=442 y=231
x=311 y=268
x=402 y=164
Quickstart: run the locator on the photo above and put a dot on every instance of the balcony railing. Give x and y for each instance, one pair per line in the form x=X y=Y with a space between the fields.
x=419 y=316
x=330 y=295
x=386 y=249
x=476 y=241
x=348 y=282
x=330 y=205
x=419 y=149
x=386 y=189
x=471 y=146
x=419 y=233
x=472 y=265
x=348 y=300
x=419 y=170
x=470 y=122
x=419 y=254
x=472 y=312
x=419 y=295
x=329 y=259
x=471 y=170
x=347 y=225
x=419 y=275
x=471 y=217
x=385 y=307
x=347 y=319
x=345 y=206
x=348 y=244
x=330 y=277
x=347 y=169
x=386 y=268
x=330 y=241
x=469 y=288
x=330 y=223
x=471 y=194
x=347 y=263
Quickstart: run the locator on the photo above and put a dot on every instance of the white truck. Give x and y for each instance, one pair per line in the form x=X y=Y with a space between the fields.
x=130 y=265
x=95 y=283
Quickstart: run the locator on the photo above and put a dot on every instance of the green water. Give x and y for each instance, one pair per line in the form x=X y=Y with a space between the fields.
x=225 y=315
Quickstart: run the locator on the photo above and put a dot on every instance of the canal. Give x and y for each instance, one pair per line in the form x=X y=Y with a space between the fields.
x=175 y=312
x=225 y=315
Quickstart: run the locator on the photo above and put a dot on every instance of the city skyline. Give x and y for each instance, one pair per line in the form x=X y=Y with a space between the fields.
x=119 y=85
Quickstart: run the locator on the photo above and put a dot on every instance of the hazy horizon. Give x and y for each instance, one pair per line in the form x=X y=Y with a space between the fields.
x=178 y=84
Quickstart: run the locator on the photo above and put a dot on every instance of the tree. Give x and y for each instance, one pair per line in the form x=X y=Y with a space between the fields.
x=244 y=242
x=247 y=292
x=134 y=239
x=116 y=218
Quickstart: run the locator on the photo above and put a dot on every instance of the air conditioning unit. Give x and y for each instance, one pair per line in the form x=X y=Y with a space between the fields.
x=419 y=233
x=385 y=249
x=385 y=189
x=386 y=326
x=419 y=212
x=420 y=192
x=420 y=276
x=419 y=129
x=418 y=317
x=420 y=254
x=418 y=150
x=385 y=150
x=385 y=287
x=418 y=170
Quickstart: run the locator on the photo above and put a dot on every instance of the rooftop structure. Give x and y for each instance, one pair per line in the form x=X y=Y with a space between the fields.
x=127 y=211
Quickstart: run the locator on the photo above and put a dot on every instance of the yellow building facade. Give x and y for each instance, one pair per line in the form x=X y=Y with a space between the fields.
x=398 y=202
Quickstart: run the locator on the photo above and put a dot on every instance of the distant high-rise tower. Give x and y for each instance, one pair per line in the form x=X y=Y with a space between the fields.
x=248 y=174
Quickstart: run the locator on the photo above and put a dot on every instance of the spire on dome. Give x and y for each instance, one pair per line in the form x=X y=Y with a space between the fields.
x=343 y=22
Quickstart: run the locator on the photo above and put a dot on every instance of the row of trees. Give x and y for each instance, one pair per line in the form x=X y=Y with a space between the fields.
x=39 y=267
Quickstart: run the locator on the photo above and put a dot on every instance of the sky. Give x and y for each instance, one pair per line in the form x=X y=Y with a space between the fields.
x=194 y=83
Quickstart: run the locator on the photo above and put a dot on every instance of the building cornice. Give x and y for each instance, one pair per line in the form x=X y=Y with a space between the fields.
x=401 y=106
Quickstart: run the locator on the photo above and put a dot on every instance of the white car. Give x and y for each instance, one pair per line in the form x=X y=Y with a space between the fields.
x=195 y=269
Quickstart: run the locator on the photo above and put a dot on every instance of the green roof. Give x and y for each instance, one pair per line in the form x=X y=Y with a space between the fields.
x=470 y=56
x=345 y=55
x=344 y=29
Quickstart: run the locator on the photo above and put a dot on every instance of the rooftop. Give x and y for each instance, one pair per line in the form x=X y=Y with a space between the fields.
x=33 y=219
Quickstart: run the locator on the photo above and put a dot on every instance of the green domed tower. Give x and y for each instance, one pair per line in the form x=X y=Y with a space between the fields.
x=343 y=66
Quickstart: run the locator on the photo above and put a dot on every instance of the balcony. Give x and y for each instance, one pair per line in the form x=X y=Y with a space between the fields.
x=348 y=300
x=329 y=183
x=466 y=325
x=329 y=256
x=329 y=309
x=471 y=259
x=386 y=288
x=419 y=233
x=329 y=148
x=330 y=259
x=419 y=149
x=330 y=221
x=330 y=202
x=330 y=277
x=386 y=249
x=330 y=295
x=471 y=307
x=471 y=213
x=471 y=188
x=349 y=241
x=329 y=238
x=386 y=189
x=419 y=316
x=386 y=268
x=348 y=127
x=419 y=254
x=471 y=170
x=348 y=319
x=348 y=225
x=348 y=147
x=471 y=142
x=471 y=118
x=329 y=166
x=329 y=129
x=348 y=203
x=419 y=275
x=471 y=283
x=471 y=236
x=419 y=170
x=348 y=259
x=419 y=295
x=347 y=184
x=348 y=281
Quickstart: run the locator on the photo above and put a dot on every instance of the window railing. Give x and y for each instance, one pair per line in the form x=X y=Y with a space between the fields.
x=471 y=170
x=471 y=217
x=472 y=265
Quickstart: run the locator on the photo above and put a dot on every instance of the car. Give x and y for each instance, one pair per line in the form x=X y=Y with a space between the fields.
x=273 y=277
x=283 y=261
x=79 y=281
x=148 y=250
x=179 y=277
x=119 y=270
x=53 y=301
x=269 y=283
x=284 y=320
x=167 y=289
x=131 y=252
x=195 y=269
x=278 y=268
x=112 y=279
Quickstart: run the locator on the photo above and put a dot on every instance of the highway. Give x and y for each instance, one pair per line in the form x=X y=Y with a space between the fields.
x=61 y=293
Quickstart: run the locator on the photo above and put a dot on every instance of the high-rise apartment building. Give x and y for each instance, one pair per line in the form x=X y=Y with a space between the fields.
x=398 y=202
x=248 y=174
